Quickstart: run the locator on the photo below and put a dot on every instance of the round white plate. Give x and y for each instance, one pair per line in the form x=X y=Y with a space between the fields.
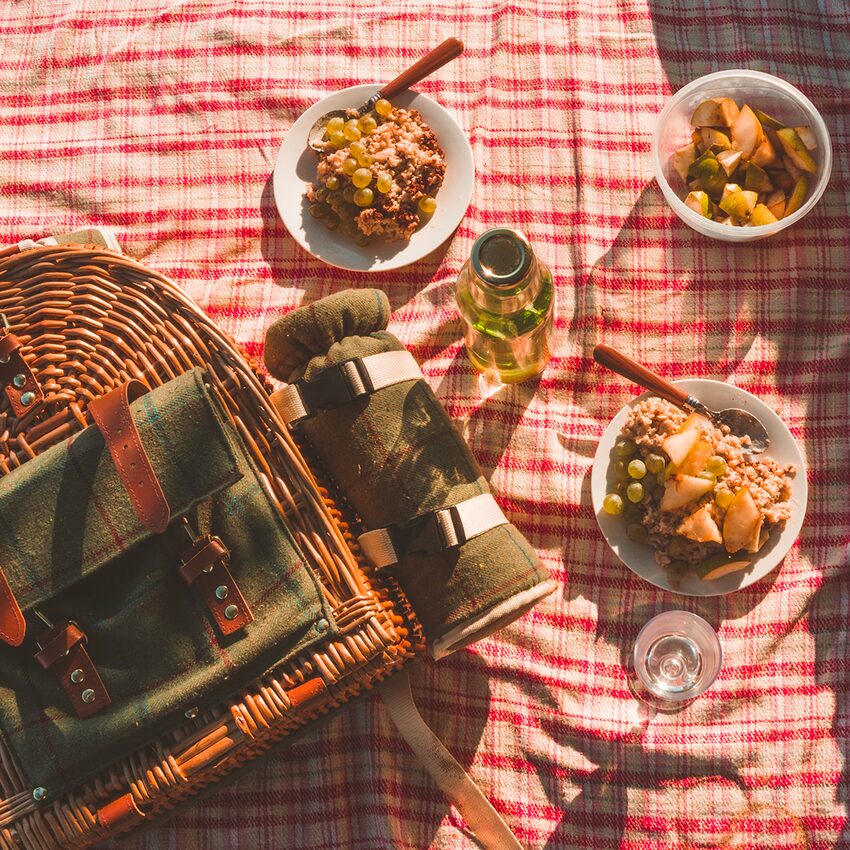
x=295 y=170
x=639 y=557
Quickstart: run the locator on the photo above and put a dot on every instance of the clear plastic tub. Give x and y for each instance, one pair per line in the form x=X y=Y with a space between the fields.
x=761 y=91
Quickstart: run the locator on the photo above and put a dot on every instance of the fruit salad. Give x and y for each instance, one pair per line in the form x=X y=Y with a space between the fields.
x=743 y=167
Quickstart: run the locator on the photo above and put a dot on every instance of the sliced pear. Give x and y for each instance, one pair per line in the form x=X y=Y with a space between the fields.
x=729 y=161
x=696 y=420
x=807 y=137
x=695 y=461
x=753 y=543
x=720 y=565
x=677 y=446
x=784 y=180
x=727 y=221
x=681 y=490
x=796 y=151
x=765 y=154
x=682 y=158
x=798 y=197
x=746 y=131
x=711 y=137
x=775 y=202
x=757 y=179
x=696 y=138
x=707 y=170
x=762 y=215
x=718 y=112
x=768 y=121
x=742 y=517
x=791 y=167
x=700 y=526
x=737 y=202
x=698 y=202
x=756 y=545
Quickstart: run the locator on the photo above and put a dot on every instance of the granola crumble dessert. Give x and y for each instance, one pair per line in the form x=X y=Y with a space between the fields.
x=378 y=174
x=692 y=492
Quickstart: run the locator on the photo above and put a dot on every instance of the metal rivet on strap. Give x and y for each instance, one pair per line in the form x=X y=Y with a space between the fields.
x=5 y=359
x=27 y=398
x=77 y=676
x=88 y=695
x=322 y=625
x=38 y=794
x=221 y=591
x=19 y=381
x=192 y=712
x=231 y=612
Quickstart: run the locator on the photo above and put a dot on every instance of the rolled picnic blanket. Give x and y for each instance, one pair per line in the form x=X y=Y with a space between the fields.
x=391 y=447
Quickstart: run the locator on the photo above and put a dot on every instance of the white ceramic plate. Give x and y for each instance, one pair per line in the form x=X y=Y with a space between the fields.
x=639 y=557
x=295 y=170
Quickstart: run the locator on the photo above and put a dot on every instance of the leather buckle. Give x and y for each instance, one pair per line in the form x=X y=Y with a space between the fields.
x=430 y=533
x=335 y=386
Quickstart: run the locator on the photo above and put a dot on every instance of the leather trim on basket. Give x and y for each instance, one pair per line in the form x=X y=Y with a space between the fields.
x=17 y=378
x=120 y=813
x=112 y=416
x=13 y=627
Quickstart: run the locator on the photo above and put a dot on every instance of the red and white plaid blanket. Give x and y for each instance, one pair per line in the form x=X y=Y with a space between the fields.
x=162 y=119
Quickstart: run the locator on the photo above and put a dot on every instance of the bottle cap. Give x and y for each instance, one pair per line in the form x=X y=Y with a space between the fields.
x=501 y=256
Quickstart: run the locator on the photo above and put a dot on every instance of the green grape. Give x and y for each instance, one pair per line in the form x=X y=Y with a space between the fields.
x=365 y=159
x=367 y=124
x=632 y=512
x=332 y=222
x=624 y=448
x=383 y=107
x=621 y=472
x=321 y=193
x=723 y=498
x=317 y=210
x=337 y=139
x=636 y=468
x=351 y=131
x=385 y=182
x=654 y=463
x=612 y=504
x=335 y=125
x=361 y=178
x=363 y=197
x=427 y=205
x=708 y=476
x=361 y=238
x=717 y=465
x=332 y=182
x=348 y=194
x=357 y=150
x=635 y=492
x=636 y=532
x=349 y=166
x=620 y=488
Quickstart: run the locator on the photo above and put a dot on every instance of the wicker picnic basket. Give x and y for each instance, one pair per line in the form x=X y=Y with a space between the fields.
x=88 y=320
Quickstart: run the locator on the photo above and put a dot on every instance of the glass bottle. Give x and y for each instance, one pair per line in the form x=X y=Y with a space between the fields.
x=507 y=299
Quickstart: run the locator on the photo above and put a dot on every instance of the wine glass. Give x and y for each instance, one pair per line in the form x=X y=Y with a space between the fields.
x=677 y=656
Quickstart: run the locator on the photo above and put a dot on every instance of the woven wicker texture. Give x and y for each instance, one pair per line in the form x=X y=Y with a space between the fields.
x=88 y=320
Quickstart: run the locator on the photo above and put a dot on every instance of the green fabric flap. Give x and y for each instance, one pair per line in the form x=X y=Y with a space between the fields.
x=71 y=543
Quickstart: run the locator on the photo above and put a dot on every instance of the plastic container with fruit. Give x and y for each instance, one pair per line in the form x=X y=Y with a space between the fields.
x=741 y=155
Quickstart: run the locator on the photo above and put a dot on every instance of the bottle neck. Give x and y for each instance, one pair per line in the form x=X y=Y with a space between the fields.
x=506 y=299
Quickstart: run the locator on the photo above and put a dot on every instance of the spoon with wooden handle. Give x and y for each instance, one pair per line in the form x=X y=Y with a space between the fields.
x=740 y=422
x=450 y=49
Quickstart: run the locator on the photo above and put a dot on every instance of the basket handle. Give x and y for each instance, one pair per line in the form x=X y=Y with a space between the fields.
x=111 y=414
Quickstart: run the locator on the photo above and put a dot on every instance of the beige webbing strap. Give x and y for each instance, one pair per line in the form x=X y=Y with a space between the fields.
x=487 y=824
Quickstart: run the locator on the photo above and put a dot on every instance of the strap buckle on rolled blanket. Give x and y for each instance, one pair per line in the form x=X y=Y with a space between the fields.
x=432 y=532
x=343 y=382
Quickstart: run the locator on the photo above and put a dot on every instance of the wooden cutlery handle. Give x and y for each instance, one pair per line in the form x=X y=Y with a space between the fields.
x=445 y=52
x=623 y=365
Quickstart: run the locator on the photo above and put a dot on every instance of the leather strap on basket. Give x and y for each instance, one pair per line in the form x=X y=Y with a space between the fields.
x=18 y=381
x=13 y=627
x=112 y=416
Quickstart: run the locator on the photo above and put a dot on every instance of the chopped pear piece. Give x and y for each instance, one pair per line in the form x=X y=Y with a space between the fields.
x=719 y=112
x=740 y=521
x=681 y=490
x=694 y=462
x=747 y=133
x=695 y=420
x=681 y=160
x=775 y=202
x=737 y=202
x=727 y=221
x=756 y=545
x=798 y=196
x=764 y=154
x=768 y=121
x=753 y=543
x=756 y=179
x=729 y=161
x=720 y=565
x=677 y=446
x=762 y=215
x=784 y=180
x=711 y=137
x=700 y=526
x=796 y=151
x=791 y=167
x=807 y=137
x=698 y=202
x=707 y=170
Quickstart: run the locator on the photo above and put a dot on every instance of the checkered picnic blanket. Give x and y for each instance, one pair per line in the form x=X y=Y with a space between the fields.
x=162 y=119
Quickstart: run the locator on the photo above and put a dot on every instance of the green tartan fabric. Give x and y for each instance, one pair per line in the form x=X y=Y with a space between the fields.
x=71 y=544
x=396 y=454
